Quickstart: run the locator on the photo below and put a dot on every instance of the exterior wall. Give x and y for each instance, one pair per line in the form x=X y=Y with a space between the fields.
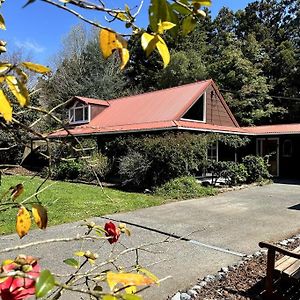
x=216 y=113
x=95 y=110
x=288 y=164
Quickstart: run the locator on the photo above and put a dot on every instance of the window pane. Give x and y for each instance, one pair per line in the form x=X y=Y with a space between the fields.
x=78 y=114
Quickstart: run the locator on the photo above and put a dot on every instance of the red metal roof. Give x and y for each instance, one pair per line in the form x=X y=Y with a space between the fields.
x=274 y=129
x=92 y=101
x=161 y=110
x=157 y=106
x=151 y=126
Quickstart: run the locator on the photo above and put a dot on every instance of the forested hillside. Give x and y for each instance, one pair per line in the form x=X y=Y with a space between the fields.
x=252 y=54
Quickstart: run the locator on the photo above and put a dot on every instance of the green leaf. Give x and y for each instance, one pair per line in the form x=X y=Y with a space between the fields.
x=181 y=9
x=72 y=262
x=188 y=25
x=158 y=11
x=44 y=284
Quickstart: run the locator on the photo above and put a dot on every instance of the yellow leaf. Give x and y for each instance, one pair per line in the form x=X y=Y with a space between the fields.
x=2 y=23
x=23 y=221
x=40 y=215
x=203 y=2
x=109 y=41
x=16 y=191
x=131 y=290
x=127 y=279
x=4 y=67
x=79 y=253
x=122 y=17
x=109 y=297
x=148 y=274
x=201 y=12
x=163 y=51
x=162 y=26
x=5 y=107
x=18 y=89
x=148 y=42
x=124 y=55
x=36 y=67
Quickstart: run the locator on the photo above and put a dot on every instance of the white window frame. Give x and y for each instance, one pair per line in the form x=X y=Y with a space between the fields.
x=216 y=147
x=83 y=107
x=204 y=111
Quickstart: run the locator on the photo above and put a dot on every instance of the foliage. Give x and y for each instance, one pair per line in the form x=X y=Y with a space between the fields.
x=186 y=187
x=74 y=70
x=251 y=54
x=67 y=170
x=97 y=165
x=235 y=173
x=252 y=169
x=133 y=169
x=257 y=168
x=152 y=160
x=82 y=169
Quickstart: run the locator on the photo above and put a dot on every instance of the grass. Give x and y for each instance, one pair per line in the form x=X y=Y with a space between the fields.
x=67 y=202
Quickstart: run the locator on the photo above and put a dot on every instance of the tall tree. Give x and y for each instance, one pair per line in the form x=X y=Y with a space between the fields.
x=82 y=71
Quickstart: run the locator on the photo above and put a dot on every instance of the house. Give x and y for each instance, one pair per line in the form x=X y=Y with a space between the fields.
x=196 y=107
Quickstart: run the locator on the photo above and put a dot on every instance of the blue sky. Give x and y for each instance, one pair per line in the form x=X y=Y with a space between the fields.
x=39 y=28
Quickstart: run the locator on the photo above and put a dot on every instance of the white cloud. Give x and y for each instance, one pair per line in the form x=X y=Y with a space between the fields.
x=30 y=46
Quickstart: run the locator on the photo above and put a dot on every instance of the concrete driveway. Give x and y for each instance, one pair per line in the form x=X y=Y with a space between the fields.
x=217 y=232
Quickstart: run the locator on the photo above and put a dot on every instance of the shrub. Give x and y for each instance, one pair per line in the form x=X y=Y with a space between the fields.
x=97 y=164
x=257 y=168
x=133 y=169
x=82 y=169
x=185 y=187
x=167 y=156
x=235 y=173
x=66 y=170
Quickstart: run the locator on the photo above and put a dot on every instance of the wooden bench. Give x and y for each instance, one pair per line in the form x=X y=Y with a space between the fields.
x=286 y=267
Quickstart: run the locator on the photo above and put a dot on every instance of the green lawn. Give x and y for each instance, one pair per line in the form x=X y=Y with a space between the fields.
x=67 y=202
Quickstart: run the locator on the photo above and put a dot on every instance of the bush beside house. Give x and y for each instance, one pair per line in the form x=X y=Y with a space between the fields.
x=163 y=163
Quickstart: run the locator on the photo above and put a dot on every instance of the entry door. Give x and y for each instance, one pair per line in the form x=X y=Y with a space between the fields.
x=269 y=146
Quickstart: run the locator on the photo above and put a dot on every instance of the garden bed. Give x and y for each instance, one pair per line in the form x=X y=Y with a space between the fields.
x=242 y=281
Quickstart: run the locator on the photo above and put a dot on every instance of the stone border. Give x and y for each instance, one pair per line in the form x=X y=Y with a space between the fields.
x=192 y=292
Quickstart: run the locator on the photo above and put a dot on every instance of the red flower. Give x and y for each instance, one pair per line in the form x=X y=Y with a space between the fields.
x=112 y=231
x=19 y=288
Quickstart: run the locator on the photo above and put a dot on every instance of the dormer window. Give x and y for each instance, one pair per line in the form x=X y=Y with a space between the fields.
x=79 y=113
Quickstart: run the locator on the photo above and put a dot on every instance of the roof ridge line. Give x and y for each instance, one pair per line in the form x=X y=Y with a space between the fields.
x=156 y=91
